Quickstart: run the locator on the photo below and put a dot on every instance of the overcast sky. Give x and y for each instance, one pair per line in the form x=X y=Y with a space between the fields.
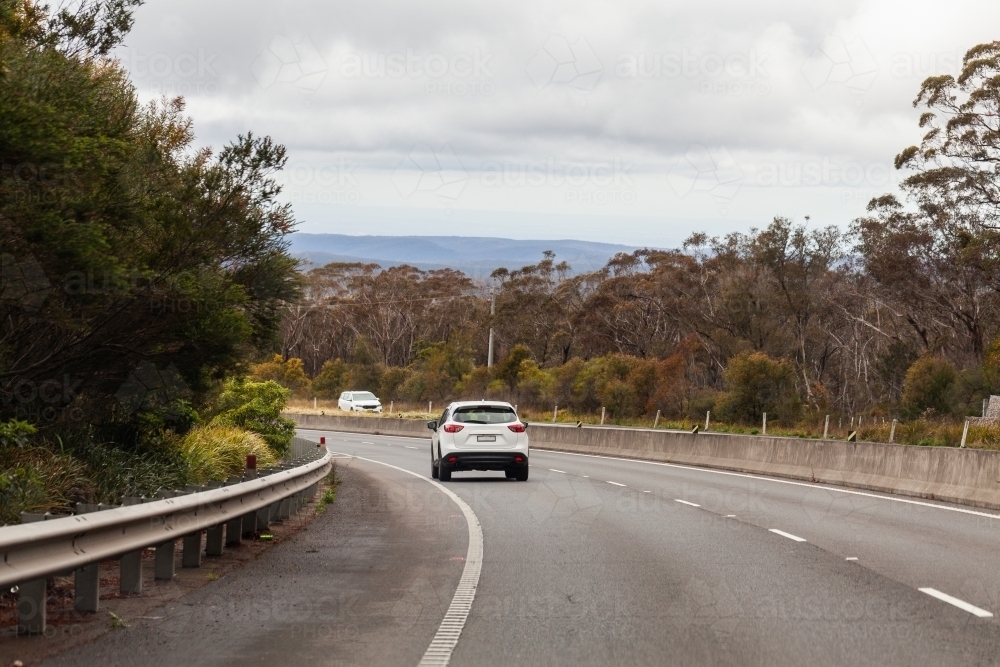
x=626 y=122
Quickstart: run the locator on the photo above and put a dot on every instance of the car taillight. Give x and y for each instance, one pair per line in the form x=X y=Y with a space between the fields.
x=452 y=459
x=517 y=428
x=519 y=459
x=453 y=428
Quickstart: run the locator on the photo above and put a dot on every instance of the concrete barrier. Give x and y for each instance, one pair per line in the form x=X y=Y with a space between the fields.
x=966 y=476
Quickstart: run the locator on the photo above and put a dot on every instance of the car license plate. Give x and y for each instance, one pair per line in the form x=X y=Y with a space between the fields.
x=486 y=438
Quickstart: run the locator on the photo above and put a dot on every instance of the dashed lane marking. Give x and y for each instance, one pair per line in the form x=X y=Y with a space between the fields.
x=684 y=502
x=788 y=535
x=961 y=604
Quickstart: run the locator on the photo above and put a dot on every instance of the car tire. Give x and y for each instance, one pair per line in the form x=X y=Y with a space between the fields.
x=434 y=468
x=444 y=474
x=521 y=474
x=510 y=474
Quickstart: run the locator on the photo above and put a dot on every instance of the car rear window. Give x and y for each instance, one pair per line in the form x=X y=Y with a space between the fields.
x=484 y=414
x=364 y=396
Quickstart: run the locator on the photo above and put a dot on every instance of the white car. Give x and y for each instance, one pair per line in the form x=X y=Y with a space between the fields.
x=479 y=435
x=359 y=401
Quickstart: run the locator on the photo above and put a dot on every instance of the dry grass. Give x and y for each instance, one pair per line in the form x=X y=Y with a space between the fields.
x=217 y=452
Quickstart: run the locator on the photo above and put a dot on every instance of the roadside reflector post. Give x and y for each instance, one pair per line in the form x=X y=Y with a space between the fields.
x=251 y=472
x=602 y=416
x=554 y=411
x=392 y=405
x=892 y=431
x=826 y=427
x=965 y=433
x=707 y=415
x=656 y=421
x=764 y=427
x=322 y=439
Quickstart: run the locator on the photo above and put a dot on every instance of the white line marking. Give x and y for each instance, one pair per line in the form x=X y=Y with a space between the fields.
x=367 y=443
x=645 y=491
x=438 y=654
x=729 y=516
x=825 y=487
x=559 y=471
x=788 y=535
x=408 y=447
x=961 y=604
x=684 y=502
x=851 y=558
x=615 y=483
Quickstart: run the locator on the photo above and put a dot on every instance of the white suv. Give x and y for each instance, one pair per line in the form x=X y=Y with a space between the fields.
x=359 y=401
x=479 y=435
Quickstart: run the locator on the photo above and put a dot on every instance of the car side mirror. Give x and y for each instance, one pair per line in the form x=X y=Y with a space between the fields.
x=525 y=425
x=432 y=425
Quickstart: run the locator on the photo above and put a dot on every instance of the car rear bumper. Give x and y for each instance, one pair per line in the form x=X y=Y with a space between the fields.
x=459 y=461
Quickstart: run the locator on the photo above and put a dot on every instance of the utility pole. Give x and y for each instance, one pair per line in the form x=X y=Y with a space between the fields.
x=493 y=311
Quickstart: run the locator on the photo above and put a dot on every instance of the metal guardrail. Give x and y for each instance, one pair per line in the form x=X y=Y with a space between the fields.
x=44 y=545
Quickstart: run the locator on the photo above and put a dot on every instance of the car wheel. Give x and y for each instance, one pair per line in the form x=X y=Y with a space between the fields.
x=434 y=468
x=521 y=474
x=509 y=474
x=444 y=474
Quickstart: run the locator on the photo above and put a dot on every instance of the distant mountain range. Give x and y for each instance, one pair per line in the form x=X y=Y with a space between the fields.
x=475 y=256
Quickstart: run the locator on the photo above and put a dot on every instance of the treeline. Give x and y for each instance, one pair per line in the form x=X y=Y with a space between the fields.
x=139 y=275
x=896 y=315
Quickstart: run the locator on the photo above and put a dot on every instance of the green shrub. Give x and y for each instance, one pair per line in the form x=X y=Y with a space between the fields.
x=928 y=387
x=290 y=374
x=755 y=384
x=257 y=407
x=217 y=452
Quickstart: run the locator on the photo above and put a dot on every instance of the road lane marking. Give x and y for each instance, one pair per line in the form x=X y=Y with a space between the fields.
x=851 y=558
x=439 y=652
x=824 y=487
x=563 y=472
x=961 y=604
x=684 y=502
x=367 y=443
x=408 y=447
x=615 y=483
x=586 y=475
x=729 y=516
x=645 y=491
x=788 y=535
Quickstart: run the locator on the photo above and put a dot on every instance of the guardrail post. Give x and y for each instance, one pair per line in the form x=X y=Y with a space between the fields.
x=164 y=566
x=31 y=595
x=234 y=527
x=130 y=565
x=87 y=579
x=285 y=508
x=191 y=556
x=214 y=535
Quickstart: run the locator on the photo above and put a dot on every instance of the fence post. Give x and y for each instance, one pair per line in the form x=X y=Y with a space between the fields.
x=708 y=414
x=657 y=420
x=764 y=431
x=892 y=432
x=965 y=433
x=602 y=416
x=826 y=427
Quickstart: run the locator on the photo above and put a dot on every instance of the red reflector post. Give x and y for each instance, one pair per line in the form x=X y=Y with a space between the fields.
x=251 y=462
x=322 y=439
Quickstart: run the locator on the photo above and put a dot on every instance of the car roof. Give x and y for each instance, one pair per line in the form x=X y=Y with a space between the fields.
x=462 y=404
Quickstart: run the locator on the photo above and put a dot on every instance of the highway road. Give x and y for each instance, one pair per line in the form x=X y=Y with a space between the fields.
x=595 y=561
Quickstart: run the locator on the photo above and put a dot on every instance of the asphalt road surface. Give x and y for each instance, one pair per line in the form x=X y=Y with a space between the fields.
x=596 y=561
